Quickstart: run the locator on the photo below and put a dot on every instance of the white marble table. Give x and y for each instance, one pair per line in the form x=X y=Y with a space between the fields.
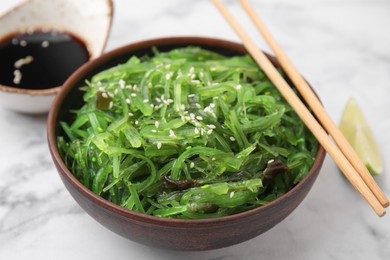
x=341 y=46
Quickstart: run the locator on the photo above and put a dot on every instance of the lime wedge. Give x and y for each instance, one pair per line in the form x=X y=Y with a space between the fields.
x=355 y=128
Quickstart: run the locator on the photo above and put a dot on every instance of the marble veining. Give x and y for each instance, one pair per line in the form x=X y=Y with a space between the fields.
x=342 y=47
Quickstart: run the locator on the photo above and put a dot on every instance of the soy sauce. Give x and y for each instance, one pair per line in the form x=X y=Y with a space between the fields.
x=40 y=60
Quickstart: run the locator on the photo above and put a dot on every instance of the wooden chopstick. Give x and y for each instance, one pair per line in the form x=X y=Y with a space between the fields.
x=312 y=100
x=301 y=110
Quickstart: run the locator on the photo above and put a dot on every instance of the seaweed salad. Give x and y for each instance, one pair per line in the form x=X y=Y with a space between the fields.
x=186 y=134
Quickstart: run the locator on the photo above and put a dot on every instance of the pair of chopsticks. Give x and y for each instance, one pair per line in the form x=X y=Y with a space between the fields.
x=342 y=152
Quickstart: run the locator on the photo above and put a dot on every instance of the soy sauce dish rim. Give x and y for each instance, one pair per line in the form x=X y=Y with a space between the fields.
x=32 y=92
x=68 y=178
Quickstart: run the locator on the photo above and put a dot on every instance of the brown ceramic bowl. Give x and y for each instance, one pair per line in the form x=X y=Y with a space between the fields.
x=175 y=234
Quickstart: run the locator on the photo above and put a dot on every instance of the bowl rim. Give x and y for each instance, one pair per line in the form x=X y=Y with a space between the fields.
x=52 y=90
x=31 y=92
x=129 y=214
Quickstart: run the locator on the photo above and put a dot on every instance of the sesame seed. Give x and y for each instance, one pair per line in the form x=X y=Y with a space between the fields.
x=135 y=87
x=101 y=89
x=128 y=101
x=209 y=132
x=131 y=114
x=159 y=145
x=231 y=194
x=201 y=74
x=192 y=165
x=45 y=44
x=199 y=118
x=213 y=69
x=207 y=109
x=158 y=100
x=187 y=118
x=154 y=131
x=198 y=105
x=196 y=130
x=171 y=133
x=192 y=70
x=158 y=107
x=197 y=124
x=192 y=116
x=238 y=87
x=110 y=94
x=170 y=101
x=213 y=159
x=193 y=76
x=191 y=95
x=17 y=76
x=122 y=83
x=157 y=124
x=104 y=95
x=168 y=76
x=146 y=100
x=110 y=105
x=152 y=105
x=212 y=105
x=183 y=107
x=136 y=122
x=116 y=91
x=24 y=61
x=210 y=111
x=232 y=138
x=271 y=161
x=133 y=95
x=15 y=41
x=212 y=126
x=23 y=43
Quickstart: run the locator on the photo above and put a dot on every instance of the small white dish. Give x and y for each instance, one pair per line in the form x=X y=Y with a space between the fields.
x=88 y=20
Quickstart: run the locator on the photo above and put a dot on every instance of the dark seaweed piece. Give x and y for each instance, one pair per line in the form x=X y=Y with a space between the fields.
x=274 y=168
x=178 y=184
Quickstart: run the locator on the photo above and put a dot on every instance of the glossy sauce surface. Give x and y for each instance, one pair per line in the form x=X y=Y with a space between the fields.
x=40 y=60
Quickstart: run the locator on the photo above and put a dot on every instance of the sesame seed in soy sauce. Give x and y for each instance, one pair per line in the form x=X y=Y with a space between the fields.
x=40 y=59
